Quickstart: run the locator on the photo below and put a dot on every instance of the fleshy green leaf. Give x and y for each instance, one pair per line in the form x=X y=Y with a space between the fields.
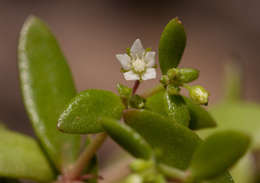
x=127 y=138
x=171 y=45
x=199 y=116
x=21 y=157
x=171 y=106
x=177 y=109
x=241 y=116
x=224 y=178
x=157 y=103
x=174 y=142
x=47 y=86
x=83 y=112
x=218 y=153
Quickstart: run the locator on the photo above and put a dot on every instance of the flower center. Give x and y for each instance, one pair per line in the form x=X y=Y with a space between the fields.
x=139 y=65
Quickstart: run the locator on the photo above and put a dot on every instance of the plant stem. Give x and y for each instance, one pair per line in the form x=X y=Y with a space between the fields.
x=135 y=87
x=86 y=156
x=153 y=91
x=173 y=172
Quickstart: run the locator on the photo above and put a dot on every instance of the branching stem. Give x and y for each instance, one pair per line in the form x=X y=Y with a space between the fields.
x=86 y=156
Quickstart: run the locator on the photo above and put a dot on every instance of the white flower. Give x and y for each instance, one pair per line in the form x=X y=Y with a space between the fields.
x=138 y=64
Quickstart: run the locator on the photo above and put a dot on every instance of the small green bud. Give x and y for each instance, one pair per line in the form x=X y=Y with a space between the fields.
x=173 y=90
x=137 y=101
x=164 y=80
x=124 y=91
x=187 y=75
x=140 y=165
x=134 y=178
x=172 y=73
x=199 y=95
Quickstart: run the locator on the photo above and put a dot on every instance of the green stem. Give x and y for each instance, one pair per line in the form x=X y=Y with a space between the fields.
x=153 y=91
x=86 y=156
x=173 y=173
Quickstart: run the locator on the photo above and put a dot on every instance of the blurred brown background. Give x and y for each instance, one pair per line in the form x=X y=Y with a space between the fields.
x=92 y=32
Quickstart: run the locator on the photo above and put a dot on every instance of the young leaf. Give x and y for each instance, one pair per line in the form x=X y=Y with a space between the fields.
x=177 y=109
x=21 y=157
x=157 y=103
x=199 y=116
x=127 y=138
x=83 y=112
x=218 y=153
x=171 y=106
x=171 y=45
x=47 y=86
x=174 y=142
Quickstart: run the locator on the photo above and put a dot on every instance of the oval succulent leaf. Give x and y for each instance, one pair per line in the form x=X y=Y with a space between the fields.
x=174 y=142
x=83 y=112
x=177 y=109
x=171 y=106
x=171 y=45
x=47 y=86
x=218 y=153
x=199 y=116
x=187 y=75
x=157 y=103
x=224 y=178
x=127 y=138
x=21 y=157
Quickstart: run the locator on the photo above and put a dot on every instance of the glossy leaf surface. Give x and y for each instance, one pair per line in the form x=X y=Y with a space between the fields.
x=199 y=116
x=83 y=112
x=218 y=153
x=47 y=86
x=171 y=45
x=173 y=107
x=127 y=138
x=21 y=157
x=174 y=142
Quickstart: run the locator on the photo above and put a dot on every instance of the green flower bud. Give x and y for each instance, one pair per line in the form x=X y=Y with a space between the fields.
x=140 y=165
x=172 y=73
x=187 y=75
x=199 y=95
x=124 y=91
x=134 y=178
x=137 y=102
x=173 y=90
x=164 y=80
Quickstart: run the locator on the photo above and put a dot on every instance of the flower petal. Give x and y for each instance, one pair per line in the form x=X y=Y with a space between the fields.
x=130 y=75
x=124 y=60
x=149 y=74
x=150 y=59
x=137 y=49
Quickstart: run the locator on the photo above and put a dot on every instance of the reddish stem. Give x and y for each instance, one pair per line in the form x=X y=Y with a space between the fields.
x=135 y=87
